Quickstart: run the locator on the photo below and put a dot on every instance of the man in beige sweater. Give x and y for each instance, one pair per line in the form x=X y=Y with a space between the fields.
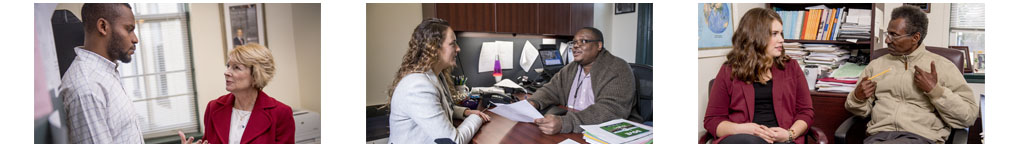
x=600 y=86
x=909 y=100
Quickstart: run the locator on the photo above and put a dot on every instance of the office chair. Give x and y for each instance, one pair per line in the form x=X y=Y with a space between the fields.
x=67 y=34
x=856 y=126
x=956 y=56
x=644 y=107
x=813 y=133
x=377 y=122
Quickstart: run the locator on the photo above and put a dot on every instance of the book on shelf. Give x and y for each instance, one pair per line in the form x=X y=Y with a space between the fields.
x=822 y=23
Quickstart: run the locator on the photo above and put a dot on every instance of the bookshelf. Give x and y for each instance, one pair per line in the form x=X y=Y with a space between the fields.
x=829 y=110
x=861 y=44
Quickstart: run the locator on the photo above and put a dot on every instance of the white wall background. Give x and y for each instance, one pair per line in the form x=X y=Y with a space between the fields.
x=389 y=28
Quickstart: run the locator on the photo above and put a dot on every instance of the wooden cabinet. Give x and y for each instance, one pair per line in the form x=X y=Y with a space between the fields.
x=517 y=18
x=476 y=17
x=554 y=18
x=581 y=15
x=829 y=111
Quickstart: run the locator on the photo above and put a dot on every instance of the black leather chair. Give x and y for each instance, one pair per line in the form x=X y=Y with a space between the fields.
x=377 y=122
x=67 y=34
x=956 y=56
x=814 y=133
x=853 y=129
x=644 y=91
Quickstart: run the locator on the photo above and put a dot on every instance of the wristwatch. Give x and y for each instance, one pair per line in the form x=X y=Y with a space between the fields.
x=791 y=134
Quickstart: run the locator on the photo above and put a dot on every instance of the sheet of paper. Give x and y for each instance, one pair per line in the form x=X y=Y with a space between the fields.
x=528 y=56
x=505 y=54
x=508 y=83
x=486 y=61
x=566 y=52
x=568 y=141
x=520 y=111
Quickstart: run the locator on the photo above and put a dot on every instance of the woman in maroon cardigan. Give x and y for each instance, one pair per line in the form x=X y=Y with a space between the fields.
x=760 y=94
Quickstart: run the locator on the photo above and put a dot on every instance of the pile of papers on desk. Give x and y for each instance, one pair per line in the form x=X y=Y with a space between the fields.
x=826 y=56
x=618 y=131
x=795 y=51
x=843 y=79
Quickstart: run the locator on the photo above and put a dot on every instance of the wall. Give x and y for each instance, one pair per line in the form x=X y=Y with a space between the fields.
x=709 y=62
x=939 y=23
x=619 y=30
x=389 y=27
x=308 y=44
x=206 y=40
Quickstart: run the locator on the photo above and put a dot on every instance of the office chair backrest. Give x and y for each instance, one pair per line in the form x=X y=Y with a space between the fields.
x=954 y=55
x=644 y=76
x=67 y=34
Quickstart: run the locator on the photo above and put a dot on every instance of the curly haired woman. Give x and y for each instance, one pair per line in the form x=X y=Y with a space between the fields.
x=421 y=95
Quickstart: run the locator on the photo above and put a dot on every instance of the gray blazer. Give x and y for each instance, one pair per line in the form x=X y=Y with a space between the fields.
x=422 y=111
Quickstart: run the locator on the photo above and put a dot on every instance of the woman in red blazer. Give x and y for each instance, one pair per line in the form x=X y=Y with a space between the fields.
x=760 y=95
x=247 y=115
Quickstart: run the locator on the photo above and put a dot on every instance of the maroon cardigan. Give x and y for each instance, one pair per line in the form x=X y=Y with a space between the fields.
x=732 y=99
x=271 y=121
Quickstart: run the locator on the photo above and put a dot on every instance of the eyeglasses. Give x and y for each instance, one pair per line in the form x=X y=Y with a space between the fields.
x=892 y=38
x=581 y=42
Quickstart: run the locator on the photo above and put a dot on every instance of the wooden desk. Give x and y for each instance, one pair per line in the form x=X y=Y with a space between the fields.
x=829 y=111
x=501 y=130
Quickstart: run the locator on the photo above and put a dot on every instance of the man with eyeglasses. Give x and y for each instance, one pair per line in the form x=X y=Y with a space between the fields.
x=597 y=87
x=908 y=99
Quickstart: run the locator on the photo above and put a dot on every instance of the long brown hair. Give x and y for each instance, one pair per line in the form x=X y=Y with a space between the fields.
x=425 y=44
x=748 y=58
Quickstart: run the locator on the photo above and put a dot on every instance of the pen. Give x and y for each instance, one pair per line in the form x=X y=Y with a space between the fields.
x=881 y=73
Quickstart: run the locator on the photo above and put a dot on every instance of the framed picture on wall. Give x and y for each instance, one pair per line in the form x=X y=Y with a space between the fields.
x=622 y=8
x=243 y=23
x=715 y=26
x=924 y=6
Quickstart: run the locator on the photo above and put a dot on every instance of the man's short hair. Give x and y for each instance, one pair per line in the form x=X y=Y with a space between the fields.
x=91 y=12
x=597 y=33
x=915 y=20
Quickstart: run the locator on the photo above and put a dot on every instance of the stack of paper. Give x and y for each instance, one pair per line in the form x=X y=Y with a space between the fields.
x=795 y=51
x=843 y=79
x=826 y=56
x=618 y=131
x=857 y=25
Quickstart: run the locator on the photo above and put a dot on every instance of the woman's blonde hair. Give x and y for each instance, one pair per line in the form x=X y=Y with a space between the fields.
x=748 y=58
x=425 y=44
x=259 y=58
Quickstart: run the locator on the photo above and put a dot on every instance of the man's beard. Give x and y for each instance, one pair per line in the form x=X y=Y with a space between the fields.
x=116 y=50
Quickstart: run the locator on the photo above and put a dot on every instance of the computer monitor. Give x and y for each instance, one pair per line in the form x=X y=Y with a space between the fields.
x=551 y=58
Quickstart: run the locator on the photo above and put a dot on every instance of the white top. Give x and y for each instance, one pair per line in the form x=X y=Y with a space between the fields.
x=238 y=122
x=581 y=95
x=422 y=111
x=98 y=108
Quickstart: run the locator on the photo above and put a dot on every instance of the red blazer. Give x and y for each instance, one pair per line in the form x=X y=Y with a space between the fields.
x=732 y=99
x=271 y=121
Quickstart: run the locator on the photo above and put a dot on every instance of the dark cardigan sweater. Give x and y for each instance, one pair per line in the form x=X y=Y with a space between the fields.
x=614 y=91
